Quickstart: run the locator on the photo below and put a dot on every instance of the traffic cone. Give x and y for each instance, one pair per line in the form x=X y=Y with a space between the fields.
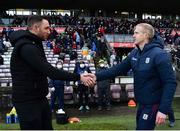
x=131 y=103
x=74 y=120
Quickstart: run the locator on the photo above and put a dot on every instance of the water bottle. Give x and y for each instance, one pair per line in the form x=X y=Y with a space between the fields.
x=8 y=118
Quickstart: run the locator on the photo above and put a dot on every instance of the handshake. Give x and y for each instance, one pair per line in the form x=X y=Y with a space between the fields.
x=88 y=79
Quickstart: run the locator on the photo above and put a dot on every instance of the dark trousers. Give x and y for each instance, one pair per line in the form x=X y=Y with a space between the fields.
x=58 y=93
x=103 y=96
x=83 y=90
x=146 y=117
x=34 y=115
x=171 y=115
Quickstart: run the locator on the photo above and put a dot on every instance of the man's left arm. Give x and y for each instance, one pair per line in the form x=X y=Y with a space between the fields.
x=168 y=80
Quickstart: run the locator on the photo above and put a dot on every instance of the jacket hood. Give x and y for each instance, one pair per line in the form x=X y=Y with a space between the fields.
x=157 y=41
x=25 y=34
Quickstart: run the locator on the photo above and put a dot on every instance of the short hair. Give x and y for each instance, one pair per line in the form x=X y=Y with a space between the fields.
x=81 y=62
x=34 y=19
x=149 y=29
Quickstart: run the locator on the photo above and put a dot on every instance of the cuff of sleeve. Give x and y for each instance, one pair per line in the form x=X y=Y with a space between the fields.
x=97 y=76
x=164 y=111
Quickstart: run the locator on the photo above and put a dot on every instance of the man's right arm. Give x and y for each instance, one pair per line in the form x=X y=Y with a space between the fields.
x=34 y=58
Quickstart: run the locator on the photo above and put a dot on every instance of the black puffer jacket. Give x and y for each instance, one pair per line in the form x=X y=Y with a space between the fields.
x=29 y=68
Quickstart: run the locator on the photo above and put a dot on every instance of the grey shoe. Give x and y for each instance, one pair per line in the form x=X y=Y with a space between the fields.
x=87 y=107
x=171 y=124
x=80 y=108
x=108 y=108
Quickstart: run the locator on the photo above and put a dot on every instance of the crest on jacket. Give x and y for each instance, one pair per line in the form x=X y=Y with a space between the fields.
x=147 y=60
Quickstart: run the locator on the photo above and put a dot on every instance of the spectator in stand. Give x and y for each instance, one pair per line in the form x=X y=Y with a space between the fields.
x=177 y=41
x=124 y=57
x=2 y=50
x=57 y=91
x=4 y=32
x=83 y=90
x=7 y=43
x=9 y=31
x=57 y=48
x=78 y=39
x=1 y=60
x=175 y=36
x=103 y=89
x=93 y=49
x=53 y=34
x=112 y=58
x=82 y=41
x=49 y=44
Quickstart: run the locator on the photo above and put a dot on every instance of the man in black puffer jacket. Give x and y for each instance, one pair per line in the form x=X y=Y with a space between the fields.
x=29 y=70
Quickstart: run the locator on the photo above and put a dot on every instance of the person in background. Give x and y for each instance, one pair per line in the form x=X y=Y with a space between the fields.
x=83 y=90
x=1 y=60
x=124 y=56
x=112 y=58
x=2 y=47
x=103 y=89
x=57 y=91
x=29 y=70
x=53 y=34
x=78 y=39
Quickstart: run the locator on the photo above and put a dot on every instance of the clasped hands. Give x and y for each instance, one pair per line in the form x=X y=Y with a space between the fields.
x=88 y=79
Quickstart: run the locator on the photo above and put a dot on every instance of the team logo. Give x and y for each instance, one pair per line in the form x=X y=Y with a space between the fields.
x=147 y=60
x=145 y=116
